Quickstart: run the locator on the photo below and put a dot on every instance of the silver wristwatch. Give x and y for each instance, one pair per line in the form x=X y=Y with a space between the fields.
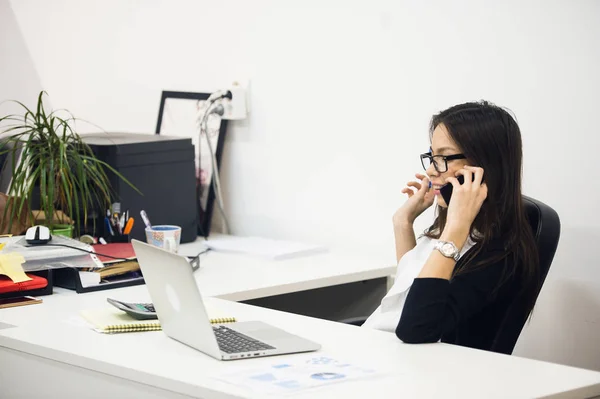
x=448 y=249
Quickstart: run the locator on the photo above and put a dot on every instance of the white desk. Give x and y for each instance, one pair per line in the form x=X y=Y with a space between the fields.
x=352 y=282
x=67 y=360
x=248 y=277
x=240 y=277
x=46 y=356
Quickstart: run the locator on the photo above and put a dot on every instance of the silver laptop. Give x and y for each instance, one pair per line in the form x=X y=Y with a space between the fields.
x=183 y=317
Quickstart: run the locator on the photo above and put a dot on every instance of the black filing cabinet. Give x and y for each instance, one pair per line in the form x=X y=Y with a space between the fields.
x=162 y=168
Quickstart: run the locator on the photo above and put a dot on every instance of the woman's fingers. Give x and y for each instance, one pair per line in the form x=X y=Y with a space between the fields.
x=408 y=192
x=413 y=187
x=424 y=185
x=472 y=186
x=455 y=183
x=414 y=184
x=483 y=191
x=468 y=177
x=477 y=173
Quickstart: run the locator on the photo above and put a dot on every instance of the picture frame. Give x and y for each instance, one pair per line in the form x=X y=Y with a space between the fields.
x=178 y=115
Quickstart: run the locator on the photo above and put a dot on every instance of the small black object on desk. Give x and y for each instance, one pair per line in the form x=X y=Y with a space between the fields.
x=69 y=278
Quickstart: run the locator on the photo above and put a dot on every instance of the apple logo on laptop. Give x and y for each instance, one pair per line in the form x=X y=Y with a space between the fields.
x=173 y=298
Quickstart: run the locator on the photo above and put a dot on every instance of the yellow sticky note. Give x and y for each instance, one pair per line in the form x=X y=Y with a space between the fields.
x=2 y=245
x=10 y=265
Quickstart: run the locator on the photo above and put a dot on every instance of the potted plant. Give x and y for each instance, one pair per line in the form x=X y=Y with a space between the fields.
x=49 y=154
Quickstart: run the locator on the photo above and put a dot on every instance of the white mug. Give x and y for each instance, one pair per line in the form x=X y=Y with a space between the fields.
x=164 y=236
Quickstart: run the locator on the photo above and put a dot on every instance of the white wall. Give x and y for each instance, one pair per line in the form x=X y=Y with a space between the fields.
x=341 y=95
x=18 y=77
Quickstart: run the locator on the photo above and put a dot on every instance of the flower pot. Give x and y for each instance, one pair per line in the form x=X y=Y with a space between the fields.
x=62 y=230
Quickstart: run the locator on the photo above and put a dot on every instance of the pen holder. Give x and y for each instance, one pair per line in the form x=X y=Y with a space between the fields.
x=117 y=238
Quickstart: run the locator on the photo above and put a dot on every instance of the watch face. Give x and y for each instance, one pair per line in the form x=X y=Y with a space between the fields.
x=447 y=249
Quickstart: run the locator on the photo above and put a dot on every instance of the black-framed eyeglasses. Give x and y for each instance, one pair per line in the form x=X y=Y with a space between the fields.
x=440 y=162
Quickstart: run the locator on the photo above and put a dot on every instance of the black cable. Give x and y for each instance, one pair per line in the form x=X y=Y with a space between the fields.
x=195 y=260
x=112 y=257
x=86 y=251
x=199 y=253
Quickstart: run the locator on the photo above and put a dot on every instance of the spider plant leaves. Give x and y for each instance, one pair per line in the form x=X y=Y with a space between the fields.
x=54 y=157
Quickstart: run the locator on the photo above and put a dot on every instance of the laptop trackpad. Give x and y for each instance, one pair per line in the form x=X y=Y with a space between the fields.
x=262 y=331
x=269 y=334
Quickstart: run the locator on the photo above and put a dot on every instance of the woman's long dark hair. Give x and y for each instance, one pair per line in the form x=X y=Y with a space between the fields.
x=490 y=138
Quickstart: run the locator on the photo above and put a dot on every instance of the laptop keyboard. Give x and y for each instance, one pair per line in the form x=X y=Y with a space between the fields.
x=231 y=341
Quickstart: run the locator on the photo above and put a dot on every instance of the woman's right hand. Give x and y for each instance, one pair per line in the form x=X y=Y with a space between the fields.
x=419 y=199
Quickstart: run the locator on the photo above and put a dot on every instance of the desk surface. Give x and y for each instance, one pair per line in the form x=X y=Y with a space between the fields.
x=53 y=330
x=239 y=277
x=435 y=370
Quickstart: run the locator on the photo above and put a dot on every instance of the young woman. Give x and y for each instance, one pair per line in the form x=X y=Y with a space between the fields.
x=457 y=281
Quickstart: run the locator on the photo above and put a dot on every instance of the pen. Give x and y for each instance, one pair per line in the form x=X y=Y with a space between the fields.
x=145 y=219
x=128 y=226
x=115 y=224
x=108 y=226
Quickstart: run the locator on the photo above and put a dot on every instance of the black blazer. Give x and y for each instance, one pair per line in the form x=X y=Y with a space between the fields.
x=463 y=311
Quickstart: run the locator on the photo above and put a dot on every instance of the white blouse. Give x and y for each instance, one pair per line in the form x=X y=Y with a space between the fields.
x=387 y=315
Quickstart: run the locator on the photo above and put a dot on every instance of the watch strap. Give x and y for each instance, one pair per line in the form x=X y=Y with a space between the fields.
x=438 y=245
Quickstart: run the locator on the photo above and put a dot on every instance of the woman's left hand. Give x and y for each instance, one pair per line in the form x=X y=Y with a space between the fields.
x=466 y=201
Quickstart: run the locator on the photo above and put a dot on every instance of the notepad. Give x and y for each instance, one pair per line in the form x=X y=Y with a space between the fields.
x=10 y=265
x=111 y=321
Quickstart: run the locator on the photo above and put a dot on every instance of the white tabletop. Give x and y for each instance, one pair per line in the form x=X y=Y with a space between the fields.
x=238 y=277
x=54 y=330
x=51 y=330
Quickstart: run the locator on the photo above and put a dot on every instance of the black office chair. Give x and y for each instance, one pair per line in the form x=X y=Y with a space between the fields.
x=545 y=224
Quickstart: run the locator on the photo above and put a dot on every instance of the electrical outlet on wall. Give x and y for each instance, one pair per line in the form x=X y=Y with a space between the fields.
x=237 y=107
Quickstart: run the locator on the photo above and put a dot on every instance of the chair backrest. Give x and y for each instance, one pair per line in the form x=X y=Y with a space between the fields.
x=545 y=224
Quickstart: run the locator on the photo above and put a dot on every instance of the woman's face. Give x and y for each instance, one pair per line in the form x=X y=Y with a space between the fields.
x=442 y=144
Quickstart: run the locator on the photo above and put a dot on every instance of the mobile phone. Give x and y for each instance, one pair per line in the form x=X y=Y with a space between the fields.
x=446 y=190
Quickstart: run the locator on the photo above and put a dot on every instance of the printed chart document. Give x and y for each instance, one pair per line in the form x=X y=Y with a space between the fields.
x=302 y=373
x=263 y=247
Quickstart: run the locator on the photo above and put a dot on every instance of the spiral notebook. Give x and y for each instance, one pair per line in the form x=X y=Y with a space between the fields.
x=111 y=321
